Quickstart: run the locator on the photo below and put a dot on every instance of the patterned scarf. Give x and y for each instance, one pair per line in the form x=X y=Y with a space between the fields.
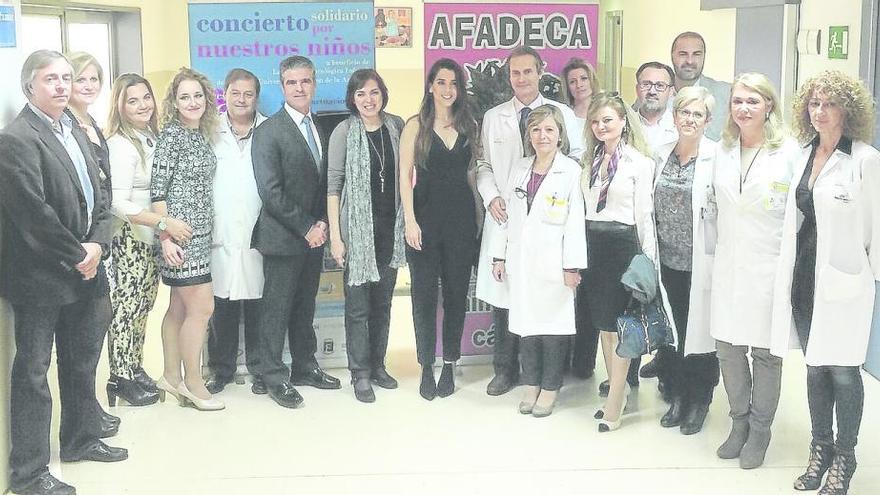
x=612 y=169
x=361 y=250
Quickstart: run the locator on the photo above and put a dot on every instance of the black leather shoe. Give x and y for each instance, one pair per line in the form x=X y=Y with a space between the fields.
x=693 y=422
x=46 y=484
x=285 y=395
x=446 y=383
x=501 y=384
x=99 y=452
x=650 y=370
x=363 y=391
x=381 y=378
x=673 y=416
x=317 y=378
x=427 y=387
x=144 y=380
x=130 y=392
x=109 y=418
x=258 y=386
x=108 y=429
x=216 y=384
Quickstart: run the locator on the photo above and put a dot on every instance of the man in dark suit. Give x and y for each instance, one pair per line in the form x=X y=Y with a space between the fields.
x=55 y=206
x=289 y=168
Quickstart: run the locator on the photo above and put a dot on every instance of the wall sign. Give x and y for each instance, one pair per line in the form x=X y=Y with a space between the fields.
x=7 y=26
x=838 y=42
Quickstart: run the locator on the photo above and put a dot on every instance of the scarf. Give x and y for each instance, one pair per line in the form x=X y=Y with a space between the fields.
x=361 y=250
x=612 y=169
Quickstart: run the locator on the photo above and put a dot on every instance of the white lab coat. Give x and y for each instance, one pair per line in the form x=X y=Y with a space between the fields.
x=699 y=340
x=236 y=268
x=538 y=244
x=502 y=147
x=749 y=240
x=847 y=259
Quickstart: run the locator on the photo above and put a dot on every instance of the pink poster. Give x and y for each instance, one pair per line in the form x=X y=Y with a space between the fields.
x=480 y=36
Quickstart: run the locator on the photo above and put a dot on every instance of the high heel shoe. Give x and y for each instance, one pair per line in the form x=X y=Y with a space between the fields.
x=626 y=390
x=842 y=469
x=605 y=425
x=143 y=379
x=165 y=387
x=542 y=410
x=128 y=391
x=188 y=398
x=820 y=460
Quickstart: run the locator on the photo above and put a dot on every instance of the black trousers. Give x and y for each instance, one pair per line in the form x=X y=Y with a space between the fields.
x=543 y=360
x=839 y=388
x=693 y=377
x=78 y=331
x=291 y=284
x=223 y=336
x=506 y=355
x=586 y=339
x=367 y=322
x=452 y=267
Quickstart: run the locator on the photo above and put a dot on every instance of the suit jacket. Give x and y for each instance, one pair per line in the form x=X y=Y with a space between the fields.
x=45 y=215
x=293 y=191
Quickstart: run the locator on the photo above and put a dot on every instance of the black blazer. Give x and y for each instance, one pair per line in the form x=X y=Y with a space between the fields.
x=293 y=192
x=44 y=215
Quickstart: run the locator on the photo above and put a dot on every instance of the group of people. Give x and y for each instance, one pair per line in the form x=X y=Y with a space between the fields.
x=760 y=241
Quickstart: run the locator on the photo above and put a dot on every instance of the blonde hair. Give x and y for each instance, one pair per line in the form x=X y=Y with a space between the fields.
x=774 y=129
x=577 y=63
x=692 y=94
x=848 y=93
x=208 y=122
x=632 y=134
x=116 y=121
x=80 y=61
x=536 y=117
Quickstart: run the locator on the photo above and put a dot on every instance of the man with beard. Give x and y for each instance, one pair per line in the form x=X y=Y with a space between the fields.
x=654 y=88
x=688 y=56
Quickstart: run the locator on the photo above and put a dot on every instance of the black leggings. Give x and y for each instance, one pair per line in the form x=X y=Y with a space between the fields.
x=840 y=387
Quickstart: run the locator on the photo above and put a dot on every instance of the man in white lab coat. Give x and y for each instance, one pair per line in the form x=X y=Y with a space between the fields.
x=502 y=139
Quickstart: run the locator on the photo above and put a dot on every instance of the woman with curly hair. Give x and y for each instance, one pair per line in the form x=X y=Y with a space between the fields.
x=181 y=188
x=825 y=284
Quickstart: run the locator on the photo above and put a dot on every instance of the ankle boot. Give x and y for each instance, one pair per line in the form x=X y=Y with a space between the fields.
x=673 y=416
x=446 y=383
x=752 y=454
x=839 y=474
x=428 y=389
x=144 y=380
x=696 y=416
x=820 y=460
x=739 y=433
x=129 y=391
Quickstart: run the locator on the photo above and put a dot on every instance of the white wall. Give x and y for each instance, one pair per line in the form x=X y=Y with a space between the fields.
x=820 y=14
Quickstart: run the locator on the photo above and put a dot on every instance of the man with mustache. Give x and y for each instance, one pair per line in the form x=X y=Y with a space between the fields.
x=653 y=90
x=688 y=55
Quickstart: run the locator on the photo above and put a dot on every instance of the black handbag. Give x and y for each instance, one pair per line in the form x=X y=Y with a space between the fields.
x=642 y=329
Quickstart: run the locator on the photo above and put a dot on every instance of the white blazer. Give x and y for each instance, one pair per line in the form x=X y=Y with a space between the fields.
x=236 y=268
x=699 y=340
x=502 y=147
x=847 y=208
x=749 y=240
x=131 y=182
x=538 y=244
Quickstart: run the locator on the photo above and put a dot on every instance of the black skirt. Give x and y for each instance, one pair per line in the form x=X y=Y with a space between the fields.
x=610 y=249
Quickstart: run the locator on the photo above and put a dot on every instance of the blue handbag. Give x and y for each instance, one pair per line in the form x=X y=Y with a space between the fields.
x=642 y=328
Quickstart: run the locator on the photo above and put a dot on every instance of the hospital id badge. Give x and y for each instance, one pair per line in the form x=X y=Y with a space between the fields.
x=555 y=210
x=778 y=194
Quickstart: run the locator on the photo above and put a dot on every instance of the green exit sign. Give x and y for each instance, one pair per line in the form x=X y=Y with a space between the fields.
x=838 y=42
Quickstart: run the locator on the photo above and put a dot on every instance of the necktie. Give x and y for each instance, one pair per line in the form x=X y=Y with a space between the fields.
x=313 y=145
x=523 y=117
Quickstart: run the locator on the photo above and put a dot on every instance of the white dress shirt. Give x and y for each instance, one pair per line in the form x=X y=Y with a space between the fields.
x=298 y=120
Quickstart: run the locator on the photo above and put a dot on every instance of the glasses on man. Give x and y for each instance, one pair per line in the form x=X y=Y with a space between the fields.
x=659 y=86
x=684 y=113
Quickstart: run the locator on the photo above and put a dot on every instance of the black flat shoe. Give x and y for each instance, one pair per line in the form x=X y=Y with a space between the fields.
x=446 y=383
x=144 y=380
x=381 y=378
x=46 y=484
x=99 y=452
x=216 y=384
x=109 y=418
x=258 y=386
x=317 y=378
x=363 y=391
x=285 y=395
x=427 y=387
x=130 y=392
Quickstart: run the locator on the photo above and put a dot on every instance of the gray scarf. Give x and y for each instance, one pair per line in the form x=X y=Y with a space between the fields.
x=361 y=255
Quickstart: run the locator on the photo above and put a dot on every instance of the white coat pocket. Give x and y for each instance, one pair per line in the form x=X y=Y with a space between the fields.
x=555 y=209
x=841 y=286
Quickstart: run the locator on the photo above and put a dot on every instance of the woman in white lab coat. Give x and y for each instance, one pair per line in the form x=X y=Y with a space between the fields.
x=752 y=171
x=541 y=249
x=618 y=184
x=682 y=187
x=829 y=263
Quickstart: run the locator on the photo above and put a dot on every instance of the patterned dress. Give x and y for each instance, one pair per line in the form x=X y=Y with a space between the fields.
x=183 y=176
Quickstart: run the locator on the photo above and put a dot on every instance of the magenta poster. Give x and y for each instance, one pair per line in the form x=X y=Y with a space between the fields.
x=480 y=35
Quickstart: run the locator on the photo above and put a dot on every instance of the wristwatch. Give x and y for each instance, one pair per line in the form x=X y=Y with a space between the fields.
x=162 y=225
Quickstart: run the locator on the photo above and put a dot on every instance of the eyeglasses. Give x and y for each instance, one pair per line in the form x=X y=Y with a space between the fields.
x=521 y=193
x=659 y=86
x=687 y=114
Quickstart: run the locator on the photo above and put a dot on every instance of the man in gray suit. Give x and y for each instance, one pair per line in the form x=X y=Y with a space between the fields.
x=55 y=205
x=688 y=55
x=290 y=233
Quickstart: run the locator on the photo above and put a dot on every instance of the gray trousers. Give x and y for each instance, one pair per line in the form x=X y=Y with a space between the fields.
x=753 y=392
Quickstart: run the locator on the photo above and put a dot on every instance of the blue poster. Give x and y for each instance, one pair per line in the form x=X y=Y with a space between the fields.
x=337 y=37
x=7 y=26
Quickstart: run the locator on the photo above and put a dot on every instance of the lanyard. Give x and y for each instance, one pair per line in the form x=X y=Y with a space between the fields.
x=744 y=178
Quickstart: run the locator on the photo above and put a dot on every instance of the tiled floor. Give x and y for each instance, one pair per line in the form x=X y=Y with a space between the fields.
x=467 y=443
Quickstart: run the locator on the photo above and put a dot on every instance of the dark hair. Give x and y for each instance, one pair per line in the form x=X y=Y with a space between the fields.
x=526 y=50
x=295 y=62
x=357 y=81
x=656 y=65
x=239 y=74
x=688 y=34
x=462 y=119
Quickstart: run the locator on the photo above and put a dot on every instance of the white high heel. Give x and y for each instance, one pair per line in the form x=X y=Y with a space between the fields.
x=166 y=388
x=188 y=398
x=600 y=414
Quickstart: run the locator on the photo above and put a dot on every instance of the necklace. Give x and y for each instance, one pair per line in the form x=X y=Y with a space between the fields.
x=380 y=156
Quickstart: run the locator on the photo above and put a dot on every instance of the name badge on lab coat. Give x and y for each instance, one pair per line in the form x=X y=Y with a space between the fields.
x=555 y=209
x=778 y=194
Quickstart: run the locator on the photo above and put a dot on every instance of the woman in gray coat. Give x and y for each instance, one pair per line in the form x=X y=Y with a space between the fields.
x=366 y=225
